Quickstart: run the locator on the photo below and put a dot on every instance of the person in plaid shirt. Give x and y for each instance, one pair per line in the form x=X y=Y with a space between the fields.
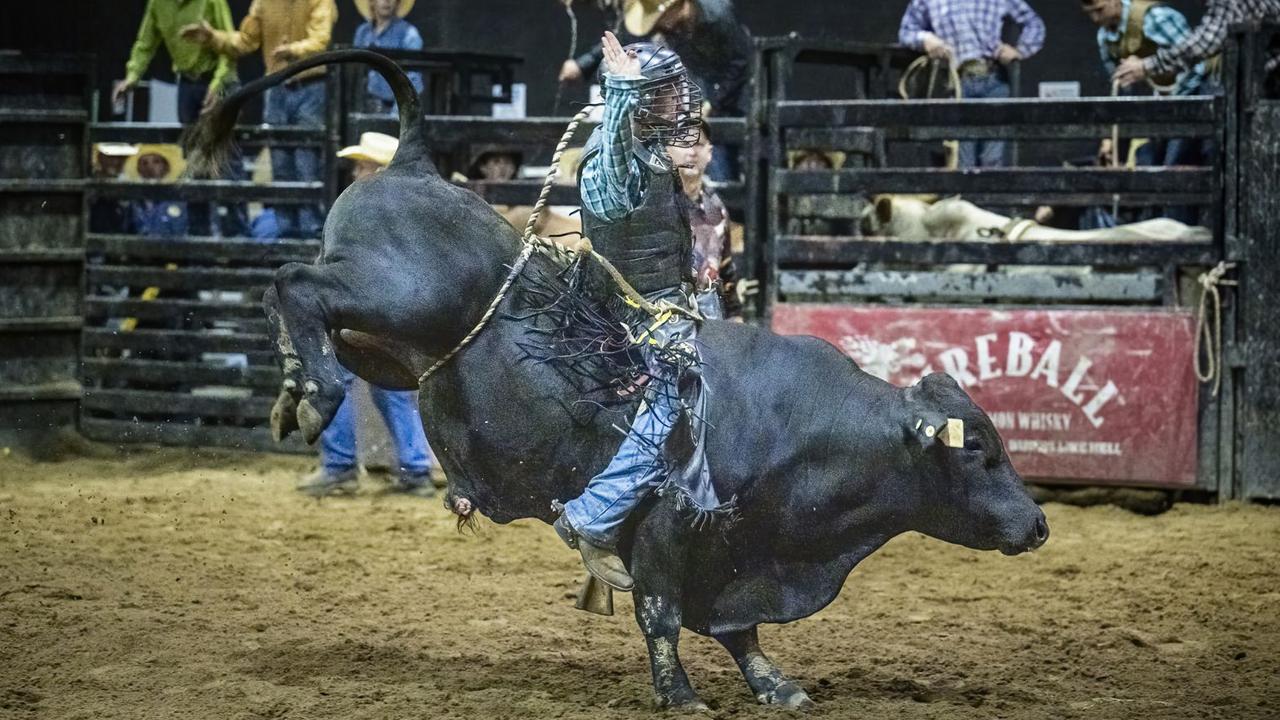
x=968 y=34
x=1202 y=43
x=632 y=212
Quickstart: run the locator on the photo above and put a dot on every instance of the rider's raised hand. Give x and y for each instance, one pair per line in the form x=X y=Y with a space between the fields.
x=617 y=61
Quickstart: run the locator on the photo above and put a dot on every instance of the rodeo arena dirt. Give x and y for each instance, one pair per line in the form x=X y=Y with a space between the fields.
x=622 y=358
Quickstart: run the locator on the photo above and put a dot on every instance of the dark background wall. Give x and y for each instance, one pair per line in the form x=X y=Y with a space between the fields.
x=538 y=30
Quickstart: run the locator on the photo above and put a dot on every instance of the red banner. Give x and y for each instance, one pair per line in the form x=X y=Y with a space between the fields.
x=1097 y=395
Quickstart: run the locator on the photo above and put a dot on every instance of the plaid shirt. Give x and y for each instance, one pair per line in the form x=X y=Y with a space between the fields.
x=971 y=27
x=1165 y=27
x=613 y=183
x=1207 y=39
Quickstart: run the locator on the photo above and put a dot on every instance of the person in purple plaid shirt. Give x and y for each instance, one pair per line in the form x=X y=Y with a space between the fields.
x=968 y=33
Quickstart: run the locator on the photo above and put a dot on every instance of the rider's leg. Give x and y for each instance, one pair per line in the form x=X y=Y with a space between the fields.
x=595 y=518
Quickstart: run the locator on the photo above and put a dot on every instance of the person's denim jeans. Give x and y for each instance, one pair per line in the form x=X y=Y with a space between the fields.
x=984 y=153
x=301 y=104
x=399 y=411
x=638 y=467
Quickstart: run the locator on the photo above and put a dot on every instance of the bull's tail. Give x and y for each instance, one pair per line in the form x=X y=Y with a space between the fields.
x=209 y=141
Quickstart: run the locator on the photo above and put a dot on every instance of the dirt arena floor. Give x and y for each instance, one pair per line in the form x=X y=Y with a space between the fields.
x=165 y=584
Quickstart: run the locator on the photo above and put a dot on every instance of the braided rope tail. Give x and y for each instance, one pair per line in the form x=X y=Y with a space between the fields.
x=529 y=241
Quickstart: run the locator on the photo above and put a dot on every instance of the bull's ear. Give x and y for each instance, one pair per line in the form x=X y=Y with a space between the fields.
x=923 y=427
x=928 y=428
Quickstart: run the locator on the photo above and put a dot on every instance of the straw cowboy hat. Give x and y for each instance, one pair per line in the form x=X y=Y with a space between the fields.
x=374 y=147
x=171 y=153
x=402 y=8
x=640 y=16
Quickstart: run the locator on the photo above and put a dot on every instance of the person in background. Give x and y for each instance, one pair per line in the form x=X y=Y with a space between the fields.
x=813 y=160
x=339 y=470
x=968 y=34
x=495 y=164
x=386 y=28
x=1200 y=44
x=202 y=74
x=285 y=31
x=714 y=45
x=109 y=216
x=714 y=272
x=1141 y=28
x=157 y=218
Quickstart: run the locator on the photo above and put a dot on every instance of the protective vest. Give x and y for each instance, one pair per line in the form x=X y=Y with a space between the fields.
x=1134 y=40
x=652 y=247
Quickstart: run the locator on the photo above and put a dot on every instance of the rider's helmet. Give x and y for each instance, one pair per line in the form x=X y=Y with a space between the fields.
x=669 y=110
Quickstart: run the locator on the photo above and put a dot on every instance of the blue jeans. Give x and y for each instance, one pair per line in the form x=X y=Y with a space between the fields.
x=638 y=467
x=300 y=104
x=338 y=441
x=1156 y=153
x=984 y=153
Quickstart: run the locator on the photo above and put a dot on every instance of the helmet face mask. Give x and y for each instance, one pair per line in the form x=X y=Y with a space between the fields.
x=669 y=112
x=669 y=109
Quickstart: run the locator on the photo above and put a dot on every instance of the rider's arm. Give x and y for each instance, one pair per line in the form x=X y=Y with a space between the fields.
x=612 y=181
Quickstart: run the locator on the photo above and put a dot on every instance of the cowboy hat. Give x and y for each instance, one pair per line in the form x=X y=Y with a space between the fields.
x=115 y=149
x=640 y=16
x=402 y=8
x=171 y=153
x=480 y=152
x=374 y=147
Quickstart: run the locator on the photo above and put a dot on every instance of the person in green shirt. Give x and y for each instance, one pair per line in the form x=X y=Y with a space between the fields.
x=202 y=74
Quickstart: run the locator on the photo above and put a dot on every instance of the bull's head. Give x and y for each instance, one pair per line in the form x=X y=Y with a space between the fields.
x=971 y=494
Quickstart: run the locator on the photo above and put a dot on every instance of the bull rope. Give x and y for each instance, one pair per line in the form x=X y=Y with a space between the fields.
x=532 y=242
x=1209 y=328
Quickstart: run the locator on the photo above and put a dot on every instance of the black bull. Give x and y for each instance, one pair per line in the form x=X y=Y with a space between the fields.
x=828 y=463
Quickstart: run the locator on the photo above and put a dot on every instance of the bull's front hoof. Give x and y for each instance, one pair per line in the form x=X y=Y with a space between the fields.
x=310 y=421
x=683 y=702
x=788 y=695
x=284 y=418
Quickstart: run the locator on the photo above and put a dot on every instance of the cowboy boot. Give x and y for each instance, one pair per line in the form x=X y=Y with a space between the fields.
x=603 y=563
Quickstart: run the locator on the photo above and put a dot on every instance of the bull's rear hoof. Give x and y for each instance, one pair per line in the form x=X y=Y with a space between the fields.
x=790 y=696
x=283 y=416
x=310 y=421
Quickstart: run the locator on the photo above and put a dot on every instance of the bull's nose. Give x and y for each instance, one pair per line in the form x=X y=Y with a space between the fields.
x=1042 y=531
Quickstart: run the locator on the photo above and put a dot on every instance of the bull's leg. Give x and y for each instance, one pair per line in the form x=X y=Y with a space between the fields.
x=768 y=683
x=284 y=414
x=305 y=297
x=657 y=564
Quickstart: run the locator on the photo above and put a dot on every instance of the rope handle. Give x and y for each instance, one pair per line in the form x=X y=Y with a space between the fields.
x=952 y=146
x=1209 y=329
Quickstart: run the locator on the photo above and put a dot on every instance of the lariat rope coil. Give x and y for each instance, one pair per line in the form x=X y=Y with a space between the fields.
x=952 y=146
x=532 y=242
x=1209 y=327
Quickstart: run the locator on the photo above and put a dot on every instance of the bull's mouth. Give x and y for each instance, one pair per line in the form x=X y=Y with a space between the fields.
x=1039 y=536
